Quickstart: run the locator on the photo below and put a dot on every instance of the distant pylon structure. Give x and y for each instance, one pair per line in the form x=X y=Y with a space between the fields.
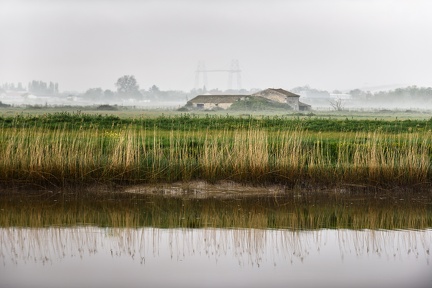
x=201 y=70
x=234 y=71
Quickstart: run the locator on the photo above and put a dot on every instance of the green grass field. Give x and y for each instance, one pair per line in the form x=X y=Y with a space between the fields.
x=76 y=148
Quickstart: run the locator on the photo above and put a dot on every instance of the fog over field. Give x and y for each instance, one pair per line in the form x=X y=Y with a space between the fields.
x=73 y=52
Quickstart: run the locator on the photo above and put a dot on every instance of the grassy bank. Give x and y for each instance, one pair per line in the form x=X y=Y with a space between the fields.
x=198 y=122
x=96 y=149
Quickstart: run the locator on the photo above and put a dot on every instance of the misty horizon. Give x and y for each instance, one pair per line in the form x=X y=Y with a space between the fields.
x=128 y=94
x=328 y=45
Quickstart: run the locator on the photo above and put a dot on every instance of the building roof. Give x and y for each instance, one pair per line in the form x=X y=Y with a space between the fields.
x=278 y=91
x=301 y=104
x=216 y=98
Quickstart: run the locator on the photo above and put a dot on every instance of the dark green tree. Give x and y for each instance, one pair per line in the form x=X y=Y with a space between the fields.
x=154 y=89
x=127 y=86
x=108 y=94
x=94 y=93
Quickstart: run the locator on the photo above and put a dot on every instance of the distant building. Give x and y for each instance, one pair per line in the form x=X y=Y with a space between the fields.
x=283 y=96
x=208 y=102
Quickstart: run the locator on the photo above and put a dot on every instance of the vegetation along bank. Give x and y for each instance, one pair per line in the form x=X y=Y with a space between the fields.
x=73 y=149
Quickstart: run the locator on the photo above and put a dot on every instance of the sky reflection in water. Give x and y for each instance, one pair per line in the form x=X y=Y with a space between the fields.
x=153 y=257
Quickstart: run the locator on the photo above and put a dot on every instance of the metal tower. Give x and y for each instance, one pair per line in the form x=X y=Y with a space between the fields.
x=201 y=70
x=234 y=71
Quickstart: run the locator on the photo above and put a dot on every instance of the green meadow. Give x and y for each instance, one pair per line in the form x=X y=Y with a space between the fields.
x=73 y=148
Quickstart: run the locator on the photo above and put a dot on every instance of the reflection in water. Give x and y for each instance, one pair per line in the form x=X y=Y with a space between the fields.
x=107 y=257
x=303 y=211
x=297 y=239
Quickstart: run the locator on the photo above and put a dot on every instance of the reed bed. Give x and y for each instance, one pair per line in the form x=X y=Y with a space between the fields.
x=133 y=154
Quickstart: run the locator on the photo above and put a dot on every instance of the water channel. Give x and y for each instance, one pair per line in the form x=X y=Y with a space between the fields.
x=292 y=240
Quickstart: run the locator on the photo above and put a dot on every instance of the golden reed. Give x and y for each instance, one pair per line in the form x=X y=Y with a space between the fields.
x=134 y=155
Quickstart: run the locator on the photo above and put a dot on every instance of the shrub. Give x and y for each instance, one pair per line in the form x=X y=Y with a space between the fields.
x=257 y=104
x=106 y=107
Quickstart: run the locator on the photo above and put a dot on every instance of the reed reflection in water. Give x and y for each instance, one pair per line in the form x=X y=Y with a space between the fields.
x=154 y=257
x=303 y=211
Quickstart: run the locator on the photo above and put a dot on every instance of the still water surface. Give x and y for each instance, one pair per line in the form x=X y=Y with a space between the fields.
x=293 y=240
x=91 y=256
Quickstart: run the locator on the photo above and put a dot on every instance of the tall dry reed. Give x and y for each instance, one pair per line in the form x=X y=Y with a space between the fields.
x=132 y=154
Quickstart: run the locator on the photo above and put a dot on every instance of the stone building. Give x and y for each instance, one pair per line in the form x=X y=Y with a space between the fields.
x=283 y=96
x=208 y=102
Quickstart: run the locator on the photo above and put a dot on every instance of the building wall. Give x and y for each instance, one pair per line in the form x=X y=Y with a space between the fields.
x=208 y=106
x=292 y=101
x=268 y=94
x=225 y=105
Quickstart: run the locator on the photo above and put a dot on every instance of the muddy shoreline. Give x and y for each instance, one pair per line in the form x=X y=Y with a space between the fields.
x=202 y=189
x=222 y=189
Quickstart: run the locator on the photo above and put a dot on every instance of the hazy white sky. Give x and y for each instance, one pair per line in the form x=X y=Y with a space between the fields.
x=326 y=44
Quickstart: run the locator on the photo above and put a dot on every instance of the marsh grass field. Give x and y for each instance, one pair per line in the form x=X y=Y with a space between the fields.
x=75 y=149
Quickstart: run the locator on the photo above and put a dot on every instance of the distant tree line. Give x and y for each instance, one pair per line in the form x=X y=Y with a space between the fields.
x=408 y=93
x=12 y=87
x=43 y=88
x=310 y=92
x=413 y=93
x=34 y=87
x=154 y=93
x=127 y=88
